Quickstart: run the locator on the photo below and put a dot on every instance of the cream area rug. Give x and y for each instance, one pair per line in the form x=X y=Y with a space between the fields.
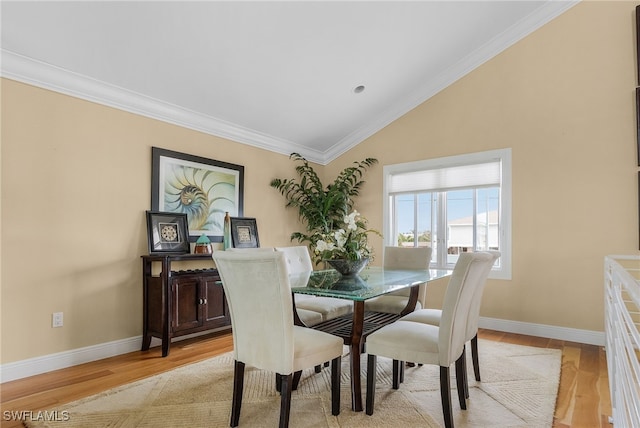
x=518 y=389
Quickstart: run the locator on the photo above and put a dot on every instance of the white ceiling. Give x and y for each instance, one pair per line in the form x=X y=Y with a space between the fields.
x=276 y=75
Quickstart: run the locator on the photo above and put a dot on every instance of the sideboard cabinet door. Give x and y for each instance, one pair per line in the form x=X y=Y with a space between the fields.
x=187 y=303
x=215 y=310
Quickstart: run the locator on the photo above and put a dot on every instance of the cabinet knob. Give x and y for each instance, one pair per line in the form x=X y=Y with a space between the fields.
x=202 y=301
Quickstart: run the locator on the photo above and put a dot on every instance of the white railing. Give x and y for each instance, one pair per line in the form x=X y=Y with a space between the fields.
x=622 y=324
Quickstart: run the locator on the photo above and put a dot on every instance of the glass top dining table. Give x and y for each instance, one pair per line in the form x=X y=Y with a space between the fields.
x=353 y=328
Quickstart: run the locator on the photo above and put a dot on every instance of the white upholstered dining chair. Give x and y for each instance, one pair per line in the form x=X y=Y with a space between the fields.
x=440 y=345
x=295 y=259
x=401 y=258
x=299 y=260
x=434 y=316
x=258 y=293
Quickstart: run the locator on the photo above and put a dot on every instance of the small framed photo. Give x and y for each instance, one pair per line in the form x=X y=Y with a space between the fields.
x=244 y=232
x=168 y=233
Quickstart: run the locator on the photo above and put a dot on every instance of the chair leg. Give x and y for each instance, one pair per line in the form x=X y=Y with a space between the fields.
x=460 y=381
x=335 y=385
x=474 y=357
x=371 y=383
x=445 y=394
x=465 y=376
x=296 y=379
x=397 y=373
x=401 y=371
x=285 y=400
x=278 y=382
x=238 y=384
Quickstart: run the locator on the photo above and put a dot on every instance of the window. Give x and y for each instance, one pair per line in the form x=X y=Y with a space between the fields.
x=453 y=205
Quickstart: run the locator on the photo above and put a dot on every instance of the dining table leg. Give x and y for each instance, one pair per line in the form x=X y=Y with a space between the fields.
x=357 y=346
x=356 y=353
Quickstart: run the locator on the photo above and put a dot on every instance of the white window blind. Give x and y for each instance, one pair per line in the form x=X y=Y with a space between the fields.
x=445 y=178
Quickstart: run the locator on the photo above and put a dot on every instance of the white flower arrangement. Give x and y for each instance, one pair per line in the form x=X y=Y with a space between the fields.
x=350 y=242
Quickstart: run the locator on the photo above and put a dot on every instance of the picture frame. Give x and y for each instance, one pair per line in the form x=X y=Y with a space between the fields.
x=244 y=232
x=167 y=233
x=203 y=189
x=638 y=124
x=638 y=42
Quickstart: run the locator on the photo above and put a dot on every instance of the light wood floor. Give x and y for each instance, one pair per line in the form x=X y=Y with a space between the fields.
x=583 y=396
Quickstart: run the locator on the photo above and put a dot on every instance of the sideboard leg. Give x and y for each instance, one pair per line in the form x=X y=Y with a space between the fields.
x=165 y=346
x=146 y=342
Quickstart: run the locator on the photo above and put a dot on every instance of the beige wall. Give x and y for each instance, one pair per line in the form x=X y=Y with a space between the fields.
x=563 y=100
x=76 y=182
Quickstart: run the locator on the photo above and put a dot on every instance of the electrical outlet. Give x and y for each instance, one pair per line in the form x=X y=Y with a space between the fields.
x=56 y=319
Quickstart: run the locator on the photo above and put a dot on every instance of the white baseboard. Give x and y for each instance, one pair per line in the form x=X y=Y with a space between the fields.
x=541 y=330
x=60 y=360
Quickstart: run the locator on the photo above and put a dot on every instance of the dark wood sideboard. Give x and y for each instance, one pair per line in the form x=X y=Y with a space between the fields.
x=177 y=303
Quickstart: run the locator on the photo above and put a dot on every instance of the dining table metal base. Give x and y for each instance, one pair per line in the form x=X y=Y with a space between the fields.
x=353 y=329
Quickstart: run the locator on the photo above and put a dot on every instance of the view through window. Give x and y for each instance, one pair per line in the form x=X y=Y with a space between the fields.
x=453 y=205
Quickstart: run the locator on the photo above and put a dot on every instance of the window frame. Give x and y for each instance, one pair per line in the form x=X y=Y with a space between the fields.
x=503 y=271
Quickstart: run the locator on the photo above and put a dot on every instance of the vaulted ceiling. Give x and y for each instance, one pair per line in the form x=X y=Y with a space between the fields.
x=312 y=77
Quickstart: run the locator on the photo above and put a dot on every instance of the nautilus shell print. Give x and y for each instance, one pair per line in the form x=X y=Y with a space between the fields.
x=203 y=194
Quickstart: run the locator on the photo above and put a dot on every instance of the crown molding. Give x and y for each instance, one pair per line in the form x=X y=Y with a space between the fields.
x=546 y=13
x=47 y=76
x=37 y=73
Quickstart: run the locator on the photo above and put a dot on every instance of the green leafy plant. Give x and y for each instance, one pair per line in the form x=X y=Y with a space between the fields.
x=322 y=209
